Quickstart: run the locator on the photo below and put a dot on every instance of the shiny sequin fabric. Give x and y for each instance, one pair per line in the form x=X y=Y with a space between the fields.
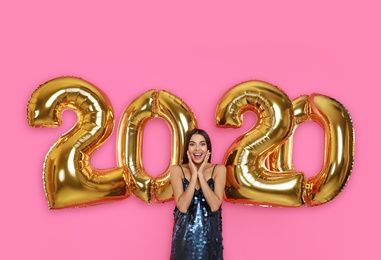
x=197 y=234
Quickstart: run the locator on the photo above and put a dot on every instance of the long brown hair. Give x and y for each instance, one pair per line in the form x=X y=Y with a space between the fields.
x=187 y=140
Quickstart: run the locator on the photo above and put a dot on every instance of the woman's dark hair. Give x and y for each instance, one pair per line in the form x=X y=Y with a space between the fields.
x=187 y=140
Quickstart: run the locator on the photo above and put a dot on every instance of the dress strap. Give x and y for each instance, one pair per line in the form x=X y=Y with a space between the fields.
x=182 y=170
x=213 y=170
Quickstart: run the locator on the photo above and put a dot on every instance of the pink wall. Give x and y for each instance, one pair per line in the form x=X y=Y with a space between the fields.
x=196 y=51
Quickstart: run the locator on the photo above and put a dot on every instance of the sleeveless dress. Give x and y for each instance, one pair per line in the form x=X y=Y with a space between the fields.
x=197 y=234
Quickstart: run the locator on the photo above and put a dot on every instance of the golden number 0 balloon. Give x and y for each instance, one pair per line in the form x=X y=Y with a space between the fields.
x=338 y=150
x=147 y=106
x=249 y=181
x=181 y=119
x=69 y=179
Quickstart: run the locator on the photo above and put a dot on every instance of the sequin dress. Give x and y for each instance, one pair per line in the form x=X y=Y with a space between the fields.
x=197 y=234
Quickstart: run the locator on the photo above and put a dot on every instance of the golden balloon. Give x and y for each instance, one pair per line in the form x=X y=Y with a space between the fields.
x=69 y=179
x=338 y=147
x=259 y=164
x=249 y=181
x=147 y=106
x=180 y=119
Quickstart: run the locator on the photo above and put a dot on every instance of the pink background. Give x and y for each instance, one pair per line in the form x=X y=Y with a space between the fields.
x=196 y=51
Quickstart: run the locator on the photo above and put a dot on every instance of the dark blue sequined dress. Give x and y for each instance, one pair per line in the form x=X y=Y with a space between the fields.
x=197 y=234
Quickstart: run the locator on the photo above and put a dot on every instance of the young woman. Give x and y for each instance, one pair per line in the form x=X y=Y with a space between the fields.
x=198 y=189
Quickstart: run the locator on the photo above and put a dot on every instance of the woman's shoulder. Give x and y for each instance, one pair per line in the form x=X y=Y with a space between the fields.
x=220 y=168
x=178 y=167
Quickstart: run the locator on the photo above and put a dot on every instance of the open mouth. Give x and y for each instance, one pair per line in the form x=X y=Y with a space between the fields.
x=197 y=155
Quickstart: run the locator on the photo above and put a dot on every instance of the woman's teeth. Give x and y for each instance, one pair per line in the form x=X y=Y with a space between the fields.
x=197 y=155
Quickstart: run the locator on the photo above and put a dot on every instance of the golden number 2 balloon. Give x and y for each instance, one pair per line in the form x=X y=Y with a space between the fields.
x=147 y=106
x=338 y=151
x=249 y=181
x=69 y=179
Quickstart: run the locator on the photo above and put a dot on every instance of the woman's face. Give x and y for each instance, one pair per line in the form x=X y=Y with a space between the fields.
x=197 y=148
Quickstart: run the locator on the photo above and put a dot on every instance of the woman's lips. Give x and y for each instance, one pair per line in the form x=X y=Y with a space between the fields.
x=197 y=155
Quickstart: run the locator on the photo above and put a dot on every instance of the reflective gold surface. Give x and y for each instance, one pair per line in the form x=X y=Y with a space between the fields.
x=69 y=179
x=338 y=147
x=259 y=162
x=147 y=106
x=249 y=181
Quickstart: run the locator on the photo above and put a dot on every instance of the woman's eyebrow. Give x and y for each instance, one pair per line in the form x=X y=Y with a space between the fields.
x=193 y=142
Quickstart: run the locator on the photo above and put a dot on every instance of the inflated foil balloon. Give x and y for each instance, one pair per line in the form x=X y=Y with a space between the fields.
x=338 y=147
x=249 y=180
x=69 y=179
x=147 y=106
x=259 y=163
x=180 y=119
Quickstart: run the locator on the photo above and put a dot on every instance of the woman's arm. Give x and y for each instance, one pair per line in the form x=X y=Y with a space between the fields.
x=214 y=198
x=182 y=198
